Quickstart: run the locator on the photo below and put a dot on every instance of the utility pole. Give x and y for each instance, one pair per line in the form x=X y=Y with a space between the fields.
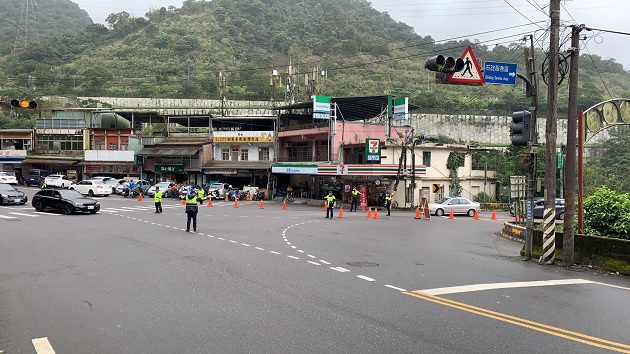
x=27 y=28
x=292 y=86
x=569 y=205
x=532 y=93
x=222 y=92
x=274 y=82
x=549 y=215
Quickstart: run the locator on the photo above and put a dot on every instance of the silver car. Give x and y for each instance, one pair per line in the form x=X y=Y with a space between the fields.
x=458 y=205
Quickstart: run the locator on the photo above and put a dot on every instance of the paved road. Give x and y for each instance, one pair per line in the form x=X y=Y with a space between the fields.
x=127 y=280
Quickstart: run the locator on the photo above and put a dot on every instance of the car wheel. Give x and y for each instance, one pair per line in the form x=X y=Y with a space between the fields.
x=92 y=211
x=38 y=206
x=68 y=209
x=560 y=216
x=471 y=212
x=439 y=212
x=91 y=193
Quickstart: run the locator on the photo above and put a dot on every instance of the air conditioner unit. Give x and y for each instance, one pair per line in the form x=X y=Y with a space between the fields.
x=287 y=145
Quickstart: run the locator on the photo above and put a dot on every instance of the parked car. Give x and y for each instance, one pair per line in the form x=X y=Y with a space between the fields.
x=36 y=176
x=8 y=178
x=120 y=187
x=10 y=195
x=221 y=188
x=539 y=208
x=61 y=181
x=458 y=205
x=114 y=183
x=165 y=187
x=183 y=190
x=143 y=185
x=92 y=188
x=101 y=178
x=68 y=201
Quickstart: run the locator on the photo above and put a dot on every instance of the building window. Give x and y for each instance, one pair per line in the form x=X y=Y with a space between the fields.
x=225 y=154
x=113 y=146
x=264 y=154
x=234 y=153
x=426 y=158
x=124 y=146
x=244 y=155
x=99 y=145
x=61 y=142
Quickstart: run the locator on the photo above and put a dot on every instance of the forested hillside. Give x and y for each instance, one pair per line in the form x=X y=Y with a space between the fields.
x=179 y=52
x=53 y=18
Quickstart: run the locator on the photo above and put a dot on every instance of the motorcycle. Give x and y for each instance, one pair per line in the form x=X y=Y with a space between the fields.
x=259 y=195
x=213 y=194
x=132 y=193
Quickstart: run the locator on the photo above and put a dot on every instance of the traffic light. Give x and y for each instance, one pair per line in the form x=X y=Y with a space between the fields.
x=444 y=64
x=24 y=104
x=521 y=122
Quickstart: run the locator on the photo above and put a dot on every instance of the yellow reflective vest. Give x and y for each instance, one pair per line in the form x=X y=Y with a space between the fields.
x=157 y=198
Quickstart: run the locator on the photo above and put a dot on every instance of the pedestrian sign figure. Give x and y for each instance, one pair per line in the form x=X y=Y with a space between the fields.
x=468 y=66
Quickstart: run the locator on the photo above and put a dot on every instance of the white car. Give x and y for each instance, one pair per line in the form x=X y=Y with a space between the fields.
x=7 y=177
x=92 y=188
x=458 y=205
x=101 y=178
x=60 y=181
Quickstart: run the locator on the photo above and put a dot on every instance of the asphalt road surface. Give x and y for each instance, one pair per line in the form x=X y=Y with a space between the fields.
x=251 y=280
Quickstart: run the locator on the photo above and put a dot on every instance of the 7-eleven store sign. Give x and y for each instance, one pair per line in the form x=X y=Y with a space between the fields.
x=365 y=170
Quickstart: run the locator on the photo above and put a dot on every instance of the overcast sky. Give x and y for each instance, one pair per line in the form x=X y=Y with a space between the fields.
x=468 y=19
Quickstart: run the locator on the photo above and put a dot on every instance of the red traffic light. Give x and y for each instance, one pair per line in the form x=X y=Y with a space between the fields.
x=444 y=64
x=24 y=104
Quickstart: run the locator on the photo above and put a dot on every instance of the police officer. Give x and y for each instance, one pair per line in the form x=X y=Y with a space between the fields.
x=191 y=211
x=44 y=186
x=388 y=202
x=201 y=195
x=355 y=199
x=330 y=204
x=157 y=199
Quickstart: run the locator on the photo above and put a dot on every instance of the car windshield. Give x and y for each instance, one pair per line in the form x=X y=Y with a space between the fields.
x=162 y=185
x=7 y=188
x=216 y=186
x=443 y=201
x=53 y=177
x=70 y=194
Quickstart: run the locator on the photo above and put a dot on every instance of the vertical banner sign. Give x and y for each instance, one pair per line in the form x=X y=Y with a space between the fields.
x=363 y=196
x=321 y=107
x=372 y=149
x=401 y=108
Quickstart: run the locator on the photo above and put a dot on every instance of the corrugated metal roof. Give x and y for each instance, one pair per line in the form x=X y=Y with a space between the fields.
x=155 y=151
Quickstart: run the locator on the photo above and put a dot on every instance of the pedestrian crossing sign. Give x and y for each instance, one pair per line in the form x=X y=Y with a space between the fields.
x=471 y=74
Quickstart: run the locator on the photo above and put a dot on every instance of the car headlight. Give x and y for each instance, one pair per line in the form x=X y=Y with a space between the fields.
x=78 y=204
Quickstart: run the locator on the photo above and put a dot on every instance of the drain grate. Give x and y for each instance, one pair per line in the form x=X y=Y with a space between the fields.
x=362 y=264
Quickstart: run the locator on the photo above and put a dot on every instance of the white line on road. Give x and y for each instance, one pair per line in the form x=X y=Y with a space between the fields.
x=244 y=244
x=323 y=261
x=294 y=257
x=613 y=286
x=7 y=217
x=232 y=241
x=311 y=262
x=294 y=247
x=274 y=252
x=45 y=213
x=339 y=269
x=300 y=251
x=311 y=256
x=395 y=288
x=221 y=238
x=42 y=346
x=21 y=214
x=365 y=278
x=260 y=249
x=494 y=286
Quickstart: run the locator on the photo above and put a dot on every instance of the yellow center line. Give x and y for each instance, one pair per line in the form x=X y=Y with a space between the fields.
x=574 y=336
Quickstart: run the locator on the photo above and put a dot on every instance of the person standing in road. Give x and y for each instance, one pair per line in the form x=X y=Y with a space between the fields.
x=355 y=199
x=174 y=191
x=201 y=195
x=330 y=204
x=157 y=199
x=44 y=186
x=192 y=208
x=388 y=202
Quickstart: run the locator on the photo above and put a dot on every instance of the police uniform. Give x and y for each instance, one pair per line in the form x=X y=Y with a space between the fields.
x=355 y=198
x=201 y=194
x=192 y=209
x=330 y=204
x=388 y=202
x=157 y=199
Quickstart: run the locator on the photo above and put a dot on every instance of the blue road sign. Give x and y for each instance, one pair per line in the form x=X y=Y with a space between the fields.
x=499 y=73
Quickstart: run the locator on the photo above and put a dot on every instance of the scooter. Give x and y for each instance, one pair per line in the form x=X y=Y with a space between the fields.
x=259 y=195
x=132 y=193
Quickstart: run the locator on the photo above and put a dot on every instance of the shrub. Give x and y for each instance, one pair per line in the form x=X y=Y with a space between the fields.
x=607 y=214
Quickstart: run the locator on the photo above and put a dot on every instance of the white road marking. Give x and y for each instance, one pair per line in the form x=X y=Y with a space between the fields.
x=300 y=251
x=613 y=286
x=45 y=213
x=288 y=243
x=339 y=269
x=323 y=261
x=365 y=278
x=311 y=256
x=221 y=238
x=260 y=249
x=21 y=214
x=274 y=252
x=244 y=244
x=494 y=286
x=232 y=241
x=294 y=247
x=294 y=257
x=42 y=346
x=7 y=217
x=311 y=262
x=395 y=288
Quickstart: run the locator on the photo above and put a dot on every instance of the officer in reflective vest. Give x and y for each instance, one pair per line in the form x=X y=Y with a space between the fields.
x=355 y=199
x=330 y=204
x=157 y=199
x=388 y=202
x=201 y=194
x=191 y=211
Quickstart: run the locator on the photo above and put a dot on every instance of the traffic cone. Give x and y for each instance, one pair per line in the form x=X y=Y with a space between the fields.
x=451 y=215
x=518 y=218
x=325 y=206
x=236 y=203
x=494 y=215
x=369 y=214
x=262 y=205
x=375 y=216
x=183 y=202
x=476 y=215
x=210 y=202
x=362 y=207
x=418 y=216
x=140 y=197
x=341 y=213
x=284 y=205
x=226 y=197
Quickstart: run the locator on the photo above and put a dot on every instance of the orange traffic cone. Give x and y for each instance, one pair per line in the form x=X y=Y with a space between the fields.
x=362 y=207
x=451 y=216
x=226 y=197
x=369 y=214
x=476 y=215
x=210 y=202
x=341 y=213
x=236 y=203
x=494 y=215
x=140 y=197
x=284 y=205
x=183 y=202
x=325 y=206
x=418 y=216
x=375 y=216
x=518 y=218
